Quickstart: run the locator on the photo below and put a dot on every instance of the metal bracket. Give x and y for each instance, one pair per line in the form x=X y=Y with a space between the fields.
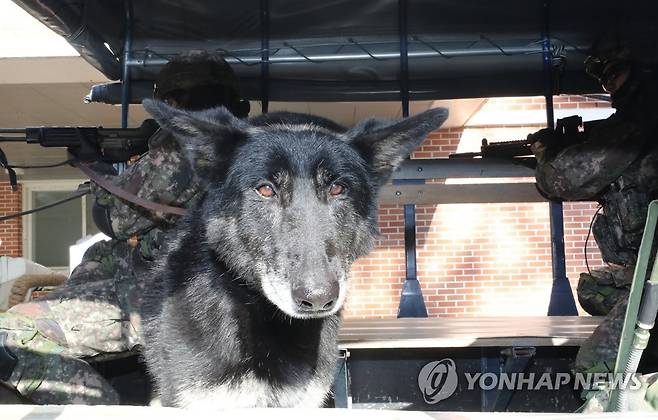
x=342 y=394
x=517 y=360
x=412 y=304
x=562 y=302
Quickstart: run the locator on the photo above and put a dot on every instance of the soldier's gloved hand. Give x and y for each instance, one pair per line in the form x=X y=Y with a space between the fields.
x=542 y=141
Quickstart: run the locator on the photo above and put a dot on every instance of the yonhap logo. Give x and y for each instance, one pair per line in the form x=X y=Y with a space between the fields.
x=438 y=380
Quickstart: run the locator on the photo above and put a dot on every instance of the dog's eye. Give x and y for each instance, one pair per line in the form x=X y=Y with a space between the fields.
x=265 y=190
x=336 y=189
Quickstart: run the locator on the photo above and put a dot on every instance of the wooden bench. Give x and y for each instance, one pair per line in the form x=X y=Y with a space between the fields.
x=535 y=331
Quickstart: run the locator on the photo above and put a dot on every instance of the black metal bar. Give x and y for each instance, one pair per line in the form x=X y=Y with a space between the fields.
x=433 y=194
x=342 y=381
x=410 y=240
x=548 y=70
x=517 y=360
x=11 y=173
x=547 y=64
x=464 y=168
x=441 y=87
x=265 y=55
x=489 y=364
x=562 y=301
x=252 y=56
x=411 y=299
x=125 y=76
x=404 y=57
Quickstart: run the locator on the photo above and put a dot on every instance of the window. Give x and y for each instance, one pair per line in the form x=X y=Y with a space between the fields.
x=48 y=234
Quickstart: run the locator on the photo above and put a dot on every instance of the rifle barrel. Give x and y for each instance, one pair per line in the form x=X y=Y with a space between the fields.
x=12 y=130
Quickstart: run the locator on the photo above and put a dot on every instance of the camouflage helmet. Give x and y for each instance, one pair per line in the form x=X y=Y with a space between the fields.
x=609 y=55
x=193 y=70
x=623 y=45
x=604 y=68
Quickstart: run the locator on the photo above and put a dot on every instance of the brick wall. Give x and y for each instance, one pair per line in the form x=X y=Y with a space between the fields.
x=10 y=230
x=538 y=102
x=475 y=259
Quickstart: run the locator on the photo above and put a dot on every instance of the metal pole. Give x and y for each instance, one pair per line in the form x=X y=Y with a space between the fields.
x=125 y=77
x=411 y=299
x=404 y=57
x=265 y=55
x=562 y=301
x=252 y=57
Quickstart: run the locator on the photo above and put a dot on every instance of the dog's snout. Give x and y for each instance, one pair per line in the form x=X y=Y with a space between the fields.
x=316 y=299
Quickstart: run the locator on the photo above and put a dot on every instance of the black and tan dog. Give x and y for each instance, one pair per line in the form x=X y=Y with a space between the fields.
x=246 y=313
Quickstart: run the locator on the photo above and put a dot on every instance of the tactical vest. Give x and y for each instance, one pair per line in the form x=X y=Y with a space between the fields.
x=618 y=231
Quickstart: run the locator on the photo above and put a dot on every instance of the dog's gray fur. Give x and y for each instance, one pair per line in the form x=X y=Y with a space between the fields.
x=245 y=311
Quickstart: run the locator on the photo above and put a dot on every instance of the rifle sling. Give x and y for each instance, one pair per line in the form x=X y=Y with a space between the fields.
x=121 y=193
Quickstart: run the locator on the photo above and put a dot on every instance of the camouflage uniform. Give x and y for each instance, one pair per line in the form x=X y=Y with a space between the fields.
x=97 y=311
x=643 y=399
x=616 y=165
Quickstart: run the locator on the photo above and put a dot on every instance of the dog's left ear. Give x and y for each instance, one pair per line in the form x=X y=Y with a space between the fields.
x=208 y=137
x=384 y=145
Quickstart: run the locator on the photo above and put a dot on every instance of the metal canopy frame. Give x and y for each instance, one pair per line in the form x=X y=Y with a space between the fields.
x=450 y=43
x=354 y=50
x=411 y=300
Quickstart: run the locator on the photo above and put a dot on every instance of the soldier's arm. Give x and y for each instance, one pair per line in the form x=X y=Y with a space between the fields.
x=163 y=176
x=582 y=171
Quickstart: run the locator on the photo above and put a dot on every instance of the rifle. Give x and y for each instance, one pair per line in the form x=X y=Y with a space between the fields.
x=110 y=145
x=568 y=132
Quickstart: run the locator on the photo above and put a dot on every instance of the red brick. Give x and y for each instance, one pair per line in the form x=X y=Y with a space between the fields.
x=10 y=230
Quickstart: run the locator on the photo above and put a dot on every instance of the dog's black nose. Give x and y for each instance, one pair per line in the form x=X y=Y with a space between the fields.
x=316 y=299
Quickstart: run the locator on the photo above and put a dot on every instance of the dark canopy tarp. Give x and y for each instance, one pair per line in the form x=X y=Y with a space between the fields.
x=341 y=50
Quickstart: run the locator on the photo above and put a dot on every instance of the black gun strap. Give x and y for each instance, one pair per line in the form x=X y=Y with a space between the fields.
x=13 y=181
x=128 y=196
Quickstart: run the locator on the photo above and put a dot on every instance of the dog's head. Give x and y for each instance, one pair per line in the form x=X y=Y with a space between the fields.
x=291 y=200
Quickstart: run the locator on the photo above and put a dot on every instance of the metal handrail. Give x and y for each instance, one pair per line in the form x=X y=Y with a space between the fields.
x=633 y=340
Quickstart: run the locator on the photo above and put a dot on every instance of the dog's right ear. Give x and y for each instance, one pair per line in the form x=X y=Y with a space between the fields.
x=208 y=137
x=385 y=144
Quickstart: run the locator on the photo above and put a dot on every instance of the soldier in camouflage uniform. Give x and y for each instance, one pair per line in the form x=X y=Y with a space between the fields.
x=617 y=165
x=97 y=311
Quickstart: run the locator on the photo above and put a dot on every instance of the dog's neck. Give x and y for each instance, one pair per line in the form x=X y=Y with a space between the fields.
x=263 y=331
